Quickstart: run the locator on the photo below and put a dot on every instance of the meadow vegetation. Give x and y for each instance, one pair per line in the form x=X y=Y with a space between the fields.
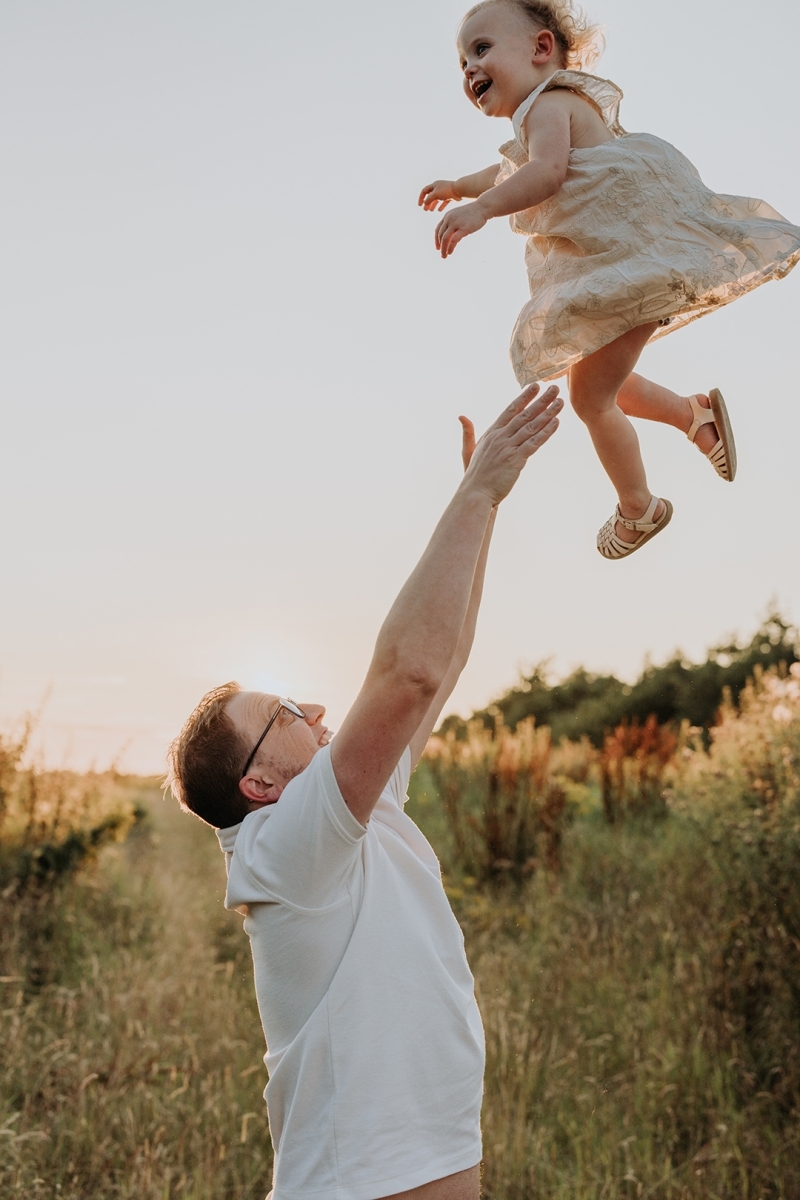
x=637 y=951
x=631 y=909
x=132 y=1048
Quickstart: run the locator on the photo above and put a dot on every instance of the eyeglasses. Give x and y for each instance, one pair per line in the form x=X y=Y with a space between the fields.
x=291 y=707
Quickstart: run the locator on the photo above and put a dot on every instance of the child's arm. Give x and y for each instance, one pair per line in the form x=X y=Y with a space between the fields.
x=468 y=187
x=536 y=181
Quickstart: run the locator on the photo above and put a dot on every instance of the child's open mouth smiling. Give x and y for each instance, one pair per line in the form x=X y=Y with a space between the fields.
x=480 y=87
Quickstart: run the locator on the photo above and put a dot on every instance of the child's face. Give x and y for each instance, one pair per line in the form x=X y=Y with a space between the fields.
x=503 y=57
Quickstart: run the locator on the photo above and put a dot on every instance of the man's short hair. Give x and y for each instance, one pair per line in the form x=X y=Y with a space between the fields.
x=206 y=760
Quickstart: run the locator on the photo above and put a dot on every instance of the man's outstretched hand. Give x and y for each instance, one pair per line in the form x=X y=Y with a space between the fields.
x=493 y=464
x=424 y=640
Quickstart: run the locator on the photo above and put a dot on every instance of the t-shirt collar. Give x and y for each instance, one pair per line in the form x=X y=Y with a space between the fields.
x=227 y=838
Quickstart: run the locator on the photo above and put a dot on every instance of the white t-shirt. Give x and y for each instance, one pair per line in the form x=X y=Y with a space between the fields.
x=375 y=1047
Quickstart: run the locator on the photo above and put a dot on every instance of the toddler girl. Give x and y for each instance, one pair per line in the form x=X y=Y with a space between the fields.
x=625 y=242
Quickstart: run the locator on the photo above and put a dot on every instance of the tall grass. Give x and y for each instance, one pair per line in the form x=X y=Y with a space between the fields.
x=504 y=804
x=132 y=1064
x=632 y=765
x=640 y=986
x=641 y=1002
x=52 y=821
x=618 y=1064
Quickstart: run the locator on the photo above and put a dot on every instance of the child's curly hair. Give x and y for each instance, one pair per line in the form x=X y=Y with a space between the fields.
x=580 y=41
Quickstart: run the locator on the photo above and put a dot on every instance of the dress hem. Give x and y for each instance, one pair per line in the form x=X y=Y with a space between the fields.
x=676 y=318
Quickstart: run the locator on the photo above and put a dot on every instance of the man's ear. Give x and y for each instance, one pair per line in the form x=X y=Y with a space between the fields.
x=258 y=792
x=544 y=47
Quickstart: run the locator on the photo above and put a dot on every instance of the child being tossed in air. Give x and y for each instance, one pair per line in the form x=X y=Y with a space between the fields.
x=625 y=242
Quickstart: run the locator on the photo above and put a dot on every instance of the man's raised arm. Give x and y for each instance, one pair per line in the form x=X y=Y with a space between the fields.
x=463 y=649
x=419 y=639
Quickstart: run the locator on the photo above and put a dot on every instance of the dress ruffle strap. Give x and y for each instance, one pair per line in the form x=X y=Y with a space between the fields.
x=602 y=93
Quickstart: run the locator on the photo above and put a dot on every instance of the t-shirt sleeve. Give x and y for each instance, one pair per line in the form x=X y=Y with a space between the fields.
x=302 y=850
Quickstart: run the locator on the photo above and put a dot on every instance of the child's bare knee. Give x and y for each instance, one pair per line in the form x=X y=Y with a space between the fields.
x=583 y=402
x=590 y=397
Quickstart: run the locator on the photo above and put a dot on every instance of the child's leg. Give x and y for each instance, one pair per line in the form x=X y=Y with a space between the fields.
x=594 y=387
x=638 y=397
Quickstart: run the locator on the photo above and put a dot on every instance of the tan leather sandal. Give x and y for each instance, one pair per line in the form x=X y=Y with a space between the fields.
x=723 y=455
x=612 y=546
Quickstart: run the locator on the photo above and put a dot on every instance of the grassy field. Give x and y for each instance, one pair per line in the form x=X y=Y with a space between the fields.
x=132 y=1064
x=639 y=983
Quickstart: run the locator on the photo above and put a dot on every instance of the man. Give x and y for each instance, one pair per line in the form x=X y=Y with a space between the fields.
x=374 y=1041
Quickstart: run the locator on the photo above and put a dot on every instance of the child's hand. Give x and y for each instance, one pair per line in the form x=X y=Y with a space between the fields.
x=458 y=224
x=439 y=193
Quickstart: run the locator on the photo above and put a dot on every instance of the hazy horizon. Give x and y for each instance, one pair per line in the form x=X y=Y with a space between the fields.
x=234 y=362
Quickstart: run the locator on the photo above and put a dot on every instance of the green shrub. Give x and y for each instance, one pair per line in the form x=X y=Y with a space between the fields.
x=587 y=705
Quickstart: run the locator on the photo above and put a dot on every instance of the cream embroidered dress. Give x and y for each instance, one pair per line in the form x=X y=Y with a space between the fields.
x=632 y=236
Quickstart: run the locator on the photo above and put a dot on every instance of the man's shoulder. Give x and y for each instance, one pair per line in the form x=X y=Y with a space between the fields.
x=314 y=778
x=300 y=849
x=315 y=783
x=311 y=807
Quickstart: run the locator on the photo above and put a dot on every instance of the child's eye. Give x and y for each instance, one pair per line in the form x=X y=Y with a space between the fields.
x=481 y=46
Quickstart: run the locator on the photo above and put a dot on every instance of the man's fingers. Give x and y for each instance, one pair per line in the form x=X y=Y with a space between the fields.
x=534 y=409
x=538 y=438
x=550 y=402
x=536 y=418
x=522 y=421
x=518 y=405
x=467 y=440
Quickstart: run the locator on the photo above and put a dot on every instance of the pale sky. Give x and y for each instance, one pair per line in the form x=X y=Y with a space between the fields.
x=233 y=362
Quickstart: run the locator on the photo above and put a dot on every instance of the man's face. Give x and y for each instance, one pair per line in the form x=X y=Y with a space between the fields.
x=287 y=749
x=498 y=55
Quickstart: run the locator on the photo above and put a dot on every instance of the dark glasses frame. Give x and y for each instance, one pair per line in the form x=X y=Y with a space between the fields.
x=291 y=707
